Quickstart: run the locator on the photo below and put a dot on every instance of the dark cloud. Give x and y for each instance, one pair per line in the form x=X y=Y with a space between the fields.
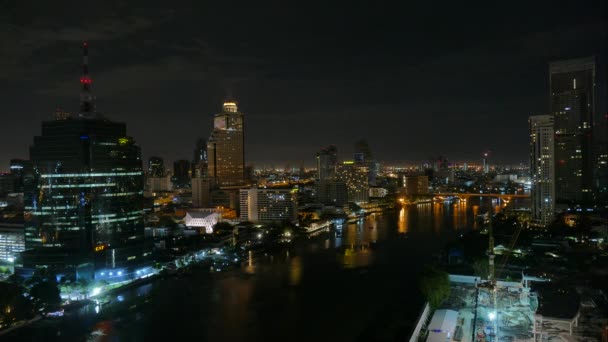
x=416 y=80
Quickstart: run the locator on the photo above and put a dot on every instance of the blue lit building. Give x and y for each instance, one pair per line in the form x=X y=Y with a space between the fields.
x=84 y=198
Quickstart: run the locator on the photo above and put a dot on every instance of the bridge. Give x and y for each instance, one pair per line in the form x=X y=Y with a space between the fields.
x=467 y=195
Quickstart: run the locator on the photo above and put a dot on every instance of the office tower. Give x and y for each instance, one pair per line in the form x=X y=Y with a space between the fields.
x=363 y=156
x=84 y=197
x=200 y=161
x=156 y=167
x=542 y=168
x=181 y=173
x=268 y=205
x=356 y=179
x=327 y=161
x=225 y=148
x=18 y=168
x=572 y=86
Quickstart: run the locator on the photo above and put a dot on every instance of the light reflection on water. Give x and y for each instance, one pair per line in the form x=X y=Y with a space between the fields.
x=325 y=289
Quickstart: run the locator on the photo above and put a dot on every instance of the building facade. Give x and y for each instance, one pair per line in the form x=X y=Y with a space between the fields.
x=83 y=197
x=268 y=205
x=327 y=161
x=331 y=192
x=356 y=179
x=416 y=185
x=156 y=167
x=542 y=168
x=573 y=107
x=12 y=240
x=226 y=147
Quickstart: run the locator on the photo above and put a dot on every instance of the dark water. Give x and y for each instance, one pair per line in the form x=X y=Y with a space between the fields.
x=357 y=286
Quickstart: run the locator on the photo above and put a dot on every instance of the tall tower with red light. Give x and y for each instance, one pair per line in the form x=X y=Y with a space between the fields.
x=87 y=100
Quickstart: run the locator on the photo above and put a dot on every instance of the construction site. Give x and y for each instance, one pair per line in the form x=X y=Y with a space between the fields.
x=531 y=309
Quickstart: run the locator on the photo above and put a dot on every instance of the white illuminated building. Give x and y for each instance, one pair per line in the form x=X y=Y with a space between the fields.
x=542 y=168
x=202 y=219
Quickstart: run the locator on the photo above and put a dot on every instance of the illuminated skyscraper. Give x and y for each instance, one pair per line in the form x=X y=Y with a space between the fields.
x=572 y=86
x=542 y=169
x=356 y=179
x=226 y=147
x=84 y=197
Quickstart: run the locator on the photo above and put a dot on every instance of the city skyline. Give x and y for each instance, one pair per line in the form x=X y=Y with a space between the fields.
x=434 y=80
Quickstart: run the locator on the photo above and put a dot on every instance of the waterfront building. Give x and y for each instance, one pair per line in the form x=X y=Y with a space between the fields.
x=268 y=205
x=416 y=185
x=327 y=161
x=84 y=196
x=573 y=107
x=331 y=192
x=355 y=176
x=226 y=147
x=542 y=169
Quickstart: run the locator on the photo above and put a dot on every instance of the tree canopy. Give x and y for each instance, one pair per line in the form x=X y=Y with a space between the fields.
x=434 y=286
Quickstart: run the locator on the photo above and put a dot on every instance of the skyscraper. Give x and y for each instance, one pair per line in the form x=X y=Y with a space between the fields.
x=200 y=161
x=181 y=173
x=156 y=167
x=84 y=196
x=226 y=147
x=355 y=178
x=327 y=161
x=542 y=168
x=572 y=86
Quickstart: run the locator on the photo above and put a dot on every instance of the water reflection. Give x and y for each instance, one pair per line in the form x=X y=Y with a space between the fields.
x=403 y=220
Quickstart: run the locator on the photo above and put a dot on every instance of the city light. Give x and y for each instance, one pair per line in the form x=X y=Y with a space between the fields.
x=96 y=291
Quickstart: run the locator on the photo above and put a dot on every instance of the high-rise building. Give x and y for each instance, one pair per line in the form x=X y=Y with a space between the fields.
x=200 y=161
x=268 y=205
x=181 y=173
x=356 y=179
x=542 y=168
x=156 y=167
x=84 y=197
x=18 y=168
x=327 y=161
x=226 y=147
x=572 y=86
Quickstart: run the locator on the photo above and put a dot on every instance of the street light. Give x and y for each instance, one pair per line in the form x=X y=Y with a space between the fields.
x=492 y=315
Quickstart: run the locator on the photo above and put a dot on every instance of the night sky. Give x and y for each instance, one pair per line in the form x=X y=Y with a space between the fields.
x=416 y=81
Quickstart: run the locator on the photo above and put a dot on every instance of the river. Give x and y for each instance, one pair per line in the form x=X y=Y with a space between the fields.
x=359 y=285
